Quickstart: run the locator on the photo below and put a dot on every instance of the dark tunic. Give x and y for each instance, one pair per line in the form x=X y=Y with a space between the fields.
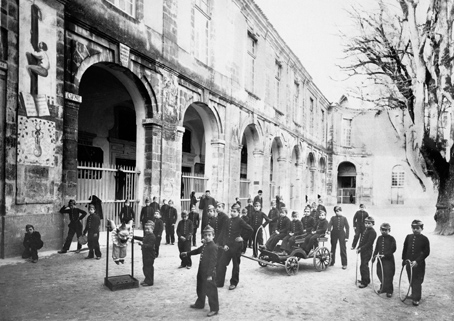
x=259 y=199
x=217 y=223
x=205 y=201
x=155 y=207
x=416 y=248
x=185 y=229
x=32 y=243
x=311 y=239
x=92 y=228
x=296 y=227
x=308 y=223
x=273 y=215
x=283 y=227
x=126 y=214
x=386 y=246
x=194 y=217
x=146 y=214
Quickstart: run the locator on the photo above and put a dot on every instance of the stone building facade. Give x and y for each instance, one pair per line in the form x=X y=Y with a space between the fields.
x=192 y=95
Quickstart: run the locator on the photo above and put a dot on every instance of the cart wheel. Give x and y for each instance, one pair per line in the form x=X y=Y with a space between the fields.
x=405 y=281
x=291 y=265
x=264 y=258
x=379 y=269
x=322 y=258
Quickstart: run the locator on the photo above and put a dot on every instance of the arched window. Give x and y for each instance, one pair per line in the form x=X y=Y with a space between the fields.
x=397 y=185
x=398 y=176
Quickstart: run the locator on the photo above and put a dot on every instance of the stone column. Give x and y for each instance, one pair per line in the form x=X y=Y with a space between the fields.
x=217 y=160
x=281 y=180
x=70 y=136
x=150 y=183
x=258 y=175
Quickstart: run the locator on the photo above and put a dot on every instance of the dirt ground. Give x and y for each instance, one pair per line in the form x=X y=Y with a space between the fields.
x=67 y=287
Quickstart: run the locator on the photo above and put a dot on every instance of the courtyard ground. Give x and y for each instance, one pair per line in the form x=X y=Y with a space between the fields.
x=67 y=287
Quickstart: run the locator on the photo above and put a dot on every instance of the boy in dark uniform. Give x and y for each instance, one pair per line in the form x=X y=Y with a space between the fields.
x=311 y=239
x=146 y=214
x=282 y=229
x=296 y=229
x=147 y=242
x=206 y=274
x=340 y=230
x=92 y=228
x=32 y=243
x=245 y=237
x=416 y=250
x=127 y=213
x=194 y=217
x=365 y=248
x=157 y=231
x=307 y=221
x=217 y=220
x=250 y=210
x=385 y=248
x=184 y=233
x=358 y=224
x=273 y=215
x=233 y=244
x=256 y=221
x=76 y=215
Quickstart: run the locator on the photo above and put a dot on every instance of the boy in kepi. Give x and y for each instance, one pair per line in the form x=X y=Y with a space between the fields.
x=385 y=248
x=365 y=249
x=206 y=283
x=416 y=250
x=147 y=242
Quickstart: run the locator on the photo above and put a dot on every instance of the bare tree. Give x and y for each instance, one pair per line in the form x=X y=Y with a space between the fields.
x=406 y=49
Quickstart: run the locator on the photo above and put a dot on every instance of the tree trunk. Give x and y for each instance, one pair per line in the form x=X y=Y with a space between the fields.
x=444 y=215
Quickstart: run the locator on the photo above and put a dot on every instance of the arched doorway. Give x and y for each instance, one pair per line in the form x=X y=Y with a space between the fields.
x=275 y=171
x=310 y=185
x=248 y=146
x=195 y=165
x=346 y=183
x=109 y=158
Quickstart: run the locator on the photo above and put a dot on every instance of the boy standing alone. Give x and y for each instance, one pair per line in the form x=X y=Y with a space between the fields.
x=416 y=250
x=365 y=249
x=206 y=274
x=339 y=229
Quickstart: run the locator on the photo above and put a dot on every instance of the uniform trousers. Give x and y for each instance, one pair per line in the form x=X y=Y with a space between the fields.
x=257 y=236
x=148 y=269
x=335 y=237
x=365 y=255
x=170 y=233
x=185 y=246
x=205 y=289
x=71 y=231
x=385 y=273
x=234 y=255
x=418 y=279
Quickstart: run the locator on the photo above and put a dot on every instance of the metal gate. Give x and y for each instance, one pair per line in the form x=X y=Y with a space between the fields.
x=191 y=183
x=110 y=183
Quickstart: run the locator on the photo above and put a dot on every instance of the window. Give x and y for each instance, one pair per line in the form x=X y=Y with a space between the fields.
x=251 y=55
x=277 y=76
x=128 y=6
x=296 y=96
x=398 y=176
x=323 y=126
x=201 y=30
x=311 y=112
x=346 y=132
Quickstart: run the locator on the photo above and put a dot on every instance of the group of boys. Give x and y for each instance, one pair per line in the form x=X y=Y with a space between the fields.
x=416 y=249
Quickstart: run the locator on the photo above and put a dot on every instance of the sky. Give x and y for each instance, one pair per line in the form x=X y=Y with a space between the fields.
x=311 y=29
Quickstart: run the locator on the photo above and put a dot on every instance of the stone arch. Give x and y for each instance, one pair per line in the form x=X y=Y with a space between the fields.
x=210 y=117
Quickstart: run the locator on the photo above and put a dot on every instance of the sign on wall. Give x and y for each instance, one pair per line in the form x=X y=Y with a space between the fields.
x=35 y=141
x=37 y=56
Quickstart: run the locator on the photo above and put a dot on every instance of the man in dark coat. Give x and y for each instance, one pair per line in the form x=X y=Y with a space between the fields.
x=76 y=215
x=170 y=221
x=206 y=201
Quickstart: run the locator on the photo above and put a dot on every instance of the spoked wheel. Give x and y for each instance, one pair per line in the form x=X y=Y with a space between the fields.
x=291 y=265
x=264 y=258
x=405 y=280
x=357 y=268
x=322 y=258
x=377 y=285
